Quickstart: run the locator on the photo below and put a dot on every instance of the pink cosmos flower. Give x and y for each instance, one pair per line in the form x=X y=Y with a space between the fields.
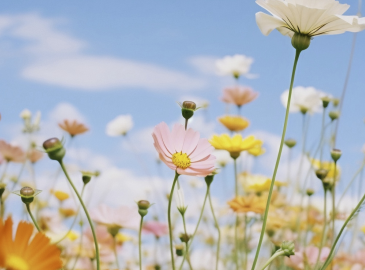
x=239 y=95
x=156 y=228
x=310 y=255
x=122 y=217
x=183 y=150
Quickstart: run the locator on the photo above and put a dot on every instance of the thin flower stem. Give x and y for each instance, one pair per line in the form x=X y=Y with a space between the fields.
x=297 y=53
x=246 y=243
x=169 y=220
x=139 y=243
x=218 y=229
x=322 y=136
x=355 y=211
x=235 y=177
x=4 y=171
x=186 y=254
x=236 y=223
x=87 y=215
x=333 y=193
x=80 y=246
x=307 y=227
x=74 y=221
x=324 y=228
x=186 y=123
x=34 y=221
x=276 y=254
x=116 y=253
x=197 y=225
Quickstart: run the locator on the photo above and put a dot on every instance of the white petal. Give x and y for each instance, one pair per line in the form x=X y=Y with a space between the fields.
x=267 y=23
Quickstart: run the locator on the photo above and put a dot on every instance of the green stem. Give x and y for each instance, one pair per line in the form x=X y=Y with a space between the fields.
x=297 y=53
x=186 y=254
x=139 y=243
x=355 y=211
x=322 y=136
x=218 y=229
x=333 y=193
x=74 y=221
x=236 y=244
x=246 y=243
x=4 y=171
x=34 y=221
x=87 y=215
x=197 y=225
x=235 y=177
x=80 y=247
x=324 y=228
x=276 y=254
x=169 y=220
x=307 y=227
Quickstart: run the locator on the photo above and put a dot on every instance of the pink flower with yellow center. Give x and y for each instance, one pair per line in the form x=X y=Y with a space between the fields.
x=183 y=150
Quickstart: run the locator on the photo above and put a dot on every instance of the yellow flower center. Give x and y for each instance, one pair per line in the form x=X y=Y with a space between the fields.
x=14 y=262
x=181 y=160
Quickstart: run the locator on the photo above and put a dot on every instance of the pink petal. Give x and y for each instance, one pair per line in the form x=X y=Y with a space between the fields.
x=203 y=149
x=191 y=141
x=177 y=137
x=163 y=135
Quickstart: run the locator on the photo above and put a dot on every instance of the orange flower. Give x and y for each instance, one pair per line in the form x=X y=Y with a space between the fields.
x=11 y=153
x=239 y=95
x=251 y=203
x=73 y=128
x=24 y=252
x=234 y=123
x=34 y=155
x=67 y=212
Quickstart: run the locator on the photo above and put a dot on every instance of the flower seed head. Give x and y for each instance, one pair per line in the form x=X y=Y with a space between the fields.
x=336 y=154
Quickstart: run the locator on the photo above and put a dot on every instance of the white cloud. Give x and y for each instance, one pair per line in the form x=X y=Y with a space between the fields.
x=57 y=58
x=204 y=64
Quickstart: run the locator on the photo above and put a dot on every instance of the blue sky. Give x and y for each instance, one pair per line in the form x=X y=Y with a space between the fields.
x=107 y=58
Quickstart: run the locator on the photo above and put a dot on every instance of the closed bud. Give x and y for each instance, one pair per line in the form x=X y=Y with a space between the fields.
x=86 y=176
x=336 y=154
x=310 y=192
x=27 y=191
x=184 y=237
x=290 y=143
x=187 y=109
x=288 y=248
x=335 y=102
x=325 y=101
x=27 y=194
x=334 y=115
x=300 y=42
x=179 y=250
x=327 y=184
x=54 y=149
x=321 y=174
x=143 y=206
x=209 y=179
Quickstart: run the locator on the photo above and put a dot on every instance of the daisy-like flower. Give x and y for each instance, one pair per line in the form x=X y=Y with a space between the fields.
x=308 y=18
x=73 y=127
x=156 y=228
x=119 y=126
x=234 y=123
x=34 y=155
x=60 y=195
x=122 y=217
x=256 y=182
x=258 y=150
x=239 y=95
x=183 y=150
x=234 y=145
x=236 y=65
x=11 y=153
x=25 y=252
x=250 y=203
x=303 y=99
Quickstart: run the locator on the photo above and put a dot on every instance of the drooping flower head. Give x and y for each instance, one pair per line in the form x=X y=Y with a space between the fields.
x=234 y=123
x=73 y=127
x=156 y=228
x=11 y=153
x=119 y=126
x=183 y=150
x=239 y=95
x=24 y=251
x=236 y=65
x=303 y=99
x=234 y=145
x=307 y=17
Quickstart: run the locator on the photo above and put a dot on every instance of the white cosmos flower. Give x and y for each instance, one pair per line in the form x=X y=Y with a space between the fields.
x=119 y=125
x=236 y=65
x=306 y=99
x=222 y=158
x=180 y=200
x=307 y=17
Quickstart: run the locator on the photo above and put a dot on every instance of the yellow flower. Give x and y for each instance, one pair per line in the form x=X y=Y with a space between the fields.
x=61 y=195
x=234 y=145
x=121 y=238
x=250 y=203
x=329 y=166
x=67 y=212
x=257 y=151
x=363 y=229
x=234 y=123
x=72 y=235
x=256 y=183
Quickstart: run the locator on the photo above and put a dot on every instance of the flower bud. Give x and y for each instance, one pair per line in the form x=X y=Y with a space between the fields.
x=234 y=155
x=86 y=176
x=113 y=230
x=321 y=174
x=336 y=154
x=327 y=184
x=143 y=206
x=325 y=101
x=300 y=42
x=184 y=237
x=334 y=115
x=27 y=191
x=290 y=143
x=2 y=189
x=27 y=194
x=179 y=250
x=54 y=149
x=187 y=109
x=288 y=248
x=25 y=114
x=310 y=192
x=335 y=102
x=209 y=179
x=303 y=110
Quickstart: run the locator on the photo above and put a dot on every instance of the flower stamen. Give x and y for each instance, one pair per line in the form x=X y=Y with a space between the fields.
x=181 y=160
